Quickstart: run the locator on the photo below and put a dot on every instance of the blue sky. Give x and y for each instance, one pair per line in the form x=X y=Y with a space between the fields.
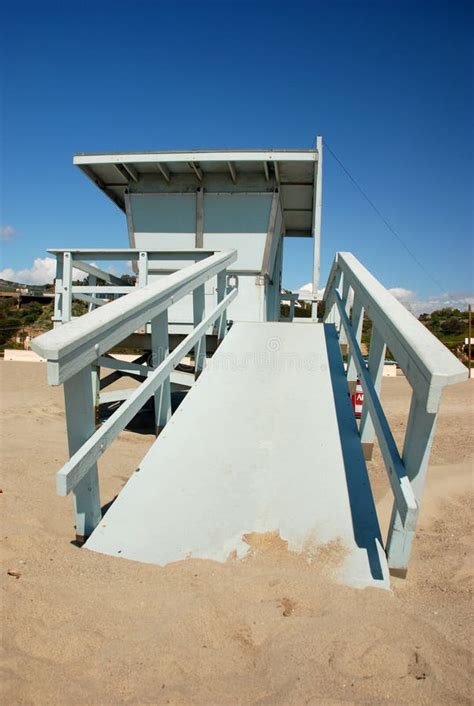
x=387 y=84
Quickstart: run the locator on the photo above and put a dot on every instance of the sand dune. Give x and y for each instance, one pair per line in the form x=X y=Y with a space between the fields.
x=273 y=630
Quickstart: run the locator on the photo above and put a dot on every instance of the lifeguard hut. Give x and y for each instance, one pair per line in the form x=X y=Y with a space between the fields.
x=266 y=440
x=219 y=200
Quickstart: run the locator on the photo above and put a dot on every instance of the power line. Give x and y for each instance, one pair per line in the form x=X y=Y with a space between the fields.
x=385 y=222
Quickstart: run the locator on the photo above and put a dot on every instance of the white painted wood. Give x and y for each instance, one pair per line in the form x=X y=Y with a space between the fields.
x=357 y=324
x=273 y=234
x=227 y=464
x=58 y=290
x=223 y=156
x=78 y=465
x=80 y=420
x=317 y=215
x=143 y=269
x=83 y=340
x=416 y=452
x=425 y=361
x=375 y=365
x=200 y=218
x=107 y=361
x=199 y=303
x=399 y=481
x=67 y=288
x=97 y=272
x=221 y=292
x=160 y=351
x=164 y=171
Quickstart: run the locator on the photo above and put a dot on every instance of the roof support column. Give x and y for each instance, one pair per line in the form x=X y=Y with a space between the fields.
x=200 y=217
x=317 y=212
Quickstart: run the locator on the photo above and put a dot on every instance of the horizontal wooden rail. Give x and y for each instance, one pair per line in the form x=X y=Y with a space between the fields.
x=77 y=343
x=79 y=464
x=424 y=360
x=80 y=254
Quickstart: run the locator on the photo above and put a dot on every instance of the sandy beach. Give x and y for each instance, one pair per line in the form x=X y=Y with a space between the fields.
x=273 y=630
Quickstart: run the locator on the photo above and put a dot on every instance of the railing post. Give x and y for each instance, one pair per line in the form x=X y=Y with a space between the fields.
x=347 y=306
x=292 y=308
x=198 y=315
x=58 y=291
x=375 y=365
x=416 y=453
x=332 y=316
x=221 y=291
x=80 y=421
x=92 y=281
x=160 y=350
x=67 y=288
x=357 y=323
x=142 y=269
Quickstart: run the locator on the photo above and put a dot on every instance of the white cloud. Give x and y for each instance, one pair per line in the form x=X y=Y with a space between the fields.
x=306 y=291
x=403 y=295
x=43 y=271
x=453 y=299
x=7 y=232
x=410 y=299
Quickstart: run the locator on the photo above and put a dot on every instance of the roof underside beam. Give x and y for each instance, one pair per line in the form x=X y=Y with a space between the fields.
x=98 y=182
x=195 y=167
x=232 y=171
x=277 y=172
x=164 y=171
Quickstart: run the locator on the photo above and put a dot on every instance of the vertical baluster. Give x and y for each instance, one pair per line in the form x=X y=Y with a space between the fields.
x=375 y=365
x=67 y=288
x=58 y=290
x=416 y=454
x=292 y=308
x=160 y=350
x=221 y=292
x=80 y=420
x=357 y=323
x=347 y=305
x=198 y=315
x=92 y=282
x=142 y=269
x=332 y=315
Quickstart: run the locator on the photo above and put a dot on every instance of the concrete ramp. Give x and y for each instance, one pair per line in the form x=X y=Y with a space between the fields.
x=265 y=441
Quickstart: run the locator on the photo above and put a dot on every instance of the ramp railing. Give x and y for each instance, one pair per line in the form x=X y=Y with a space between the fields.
x=70 y=261
x=75 y=349
x=351 y=293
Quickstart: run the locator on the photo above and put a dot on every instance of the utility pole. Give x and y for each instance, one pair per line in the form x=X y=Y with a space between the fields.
x=469 y=332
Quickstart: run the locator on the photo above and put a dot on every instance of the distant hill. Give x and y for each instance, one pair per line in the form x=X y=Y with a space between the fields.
x=7 y=286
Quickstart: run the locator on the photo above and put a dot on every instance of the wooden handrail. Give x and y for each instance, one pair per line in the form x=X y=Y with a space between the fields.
x=82 y=341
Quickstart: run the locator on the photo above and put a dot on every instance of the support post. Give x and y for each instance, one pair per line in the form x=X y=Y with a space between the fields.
x=221 y=292
x=376 y=361
x=142 y=269
x=199 y=239
x=318 y=203
x=58 y=290
x=198 y=315
x=67 y=288
x=92 y=282
x=80 y=421
x=416 y=453
x=160 y=350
